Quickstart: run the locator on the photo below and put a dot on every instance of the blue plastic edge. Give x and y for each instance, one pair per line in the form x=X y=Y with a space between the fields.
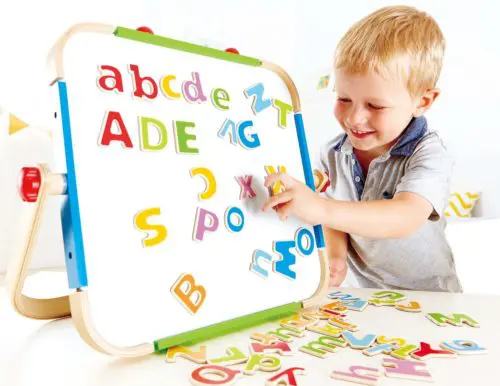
x=70 y=212
x=308 y=174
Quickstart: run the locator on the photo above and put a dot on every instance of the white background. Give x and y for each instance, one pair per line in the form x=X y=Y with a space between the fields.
x=301 y=37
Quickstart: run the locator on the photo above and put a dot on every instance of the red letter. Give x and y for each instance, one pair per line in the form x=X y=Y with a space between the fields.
x=107 y=136
x=138 y=81
x=117 y=82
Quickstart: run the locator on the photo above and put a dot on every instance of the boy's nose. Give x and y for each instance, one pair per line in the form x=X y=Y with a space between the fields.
x=356 y=118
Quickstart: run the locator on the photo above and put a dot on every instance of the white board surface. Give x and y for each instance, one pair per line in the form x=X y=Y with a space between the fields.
x=130 y=284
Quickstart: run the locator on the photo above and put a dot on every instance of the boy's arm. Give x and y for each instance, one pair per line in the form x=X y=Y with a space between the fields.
x=421 y=195
x=395 y=218
x=336 y=250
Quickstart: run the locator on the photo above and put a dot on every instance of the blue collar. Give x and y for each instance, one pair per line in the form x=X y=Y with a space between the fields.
x=408 y=141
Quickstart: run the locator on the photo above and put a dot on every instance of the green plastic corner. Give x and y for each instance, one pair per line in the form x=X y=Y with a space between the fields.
x=223 y=328
x=144 y=37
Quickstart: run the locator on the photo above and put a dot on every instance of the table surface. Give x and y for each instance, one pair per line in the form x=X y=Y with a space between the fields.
x=51 y=352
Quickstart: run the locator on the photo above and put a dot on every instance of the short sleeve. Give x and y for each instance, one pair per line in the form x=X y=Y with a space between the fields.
x=428 y=174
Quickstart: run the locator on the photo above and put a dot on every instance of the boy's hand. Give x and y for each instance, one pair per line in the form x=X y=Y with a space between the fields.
x=338 y=272
x=297 y=199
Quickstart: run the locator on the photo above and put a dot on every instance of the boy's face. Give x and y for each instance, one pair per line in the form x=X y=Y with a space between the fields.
x=372 y=110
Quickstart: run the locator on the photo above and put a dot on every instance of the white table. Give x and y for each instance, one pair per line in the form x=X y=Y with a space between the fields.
x=38 y=352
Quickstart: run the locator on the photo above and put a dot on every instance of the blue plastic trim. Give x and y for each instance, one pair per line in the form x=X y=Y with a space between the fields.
x=70 y=212
x=308 y=174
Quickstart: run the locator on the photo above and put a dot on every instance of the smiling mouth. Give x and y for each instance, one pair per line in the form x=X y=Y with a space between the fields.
x=361 y=133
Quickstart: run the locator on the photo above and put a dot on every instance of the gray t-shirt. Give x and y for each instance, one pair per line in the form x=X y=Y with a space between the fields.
x=418 y=163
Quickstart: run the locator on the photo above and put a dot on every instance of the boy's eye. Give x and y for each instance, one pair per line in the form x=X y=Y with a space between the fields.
x=343 y=100
x=375 y=107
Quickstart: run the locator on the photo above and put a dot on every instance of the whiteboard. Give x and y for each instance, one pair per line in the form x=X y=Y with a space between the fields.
x=131 y=284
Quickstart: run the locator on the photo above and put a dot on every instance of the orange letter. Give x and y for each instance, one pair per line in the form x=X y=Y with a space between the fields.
x=186 y=295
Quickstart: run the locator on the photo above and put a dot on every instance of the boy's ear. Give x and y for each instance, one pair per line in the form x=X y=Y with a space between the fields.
x=426 y=101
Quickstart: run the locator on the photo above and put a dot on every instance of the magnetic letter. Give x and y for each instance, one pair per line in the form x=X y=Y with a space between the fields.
x=187 y=87
x=283 y=110
x=287 y=258
x=233 y=135
x=208 y=177
x=192 y=297
x=256 y=267
x=106 y=136
x=138 y=82
x=201 y=224
x=141 y=223
x=258 y=104
x=245 y=142
x=116 y=79
x=246 y=187
x=227 y=376
x=182 y=137
x=219 y=95
x=145 y=123
x=230 y=225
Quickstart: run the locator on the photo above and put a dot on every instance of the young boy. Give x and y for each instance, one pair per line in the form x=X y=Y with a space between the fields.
x=389 y=172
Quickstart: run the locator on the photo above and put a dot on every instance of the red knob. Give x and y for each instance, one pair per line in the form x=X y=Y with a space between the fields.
x=232 y=50
x=145 y=29
x=30 y=181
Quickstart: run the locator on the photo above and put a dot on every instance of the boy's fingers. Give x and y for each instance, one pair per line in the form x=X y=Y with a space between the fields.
x=276 y=200
x=284 y=178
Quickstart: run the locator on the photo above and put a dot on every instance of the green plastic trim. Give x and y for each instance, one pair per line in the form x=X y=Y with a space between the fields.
x=180 y=45
x=192 y=337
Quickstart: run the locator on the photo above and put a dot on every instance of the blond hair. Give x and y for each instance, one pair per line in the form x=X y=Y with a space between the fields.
x=397 y=38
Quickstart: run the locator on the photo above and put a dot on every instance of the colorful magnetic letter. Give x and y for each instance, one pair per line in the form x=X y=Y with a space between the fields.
x=166 y=89
x=297 y=321
x=191 y=297
x=141 y=223
x=145 y=123
x=385 y=348
x=283 y=110
x=358 y=343
x=182 y=137
x=305 y=248
x=403 y=352
x=358 y=374
x=235 y=356
x=106 y=135
x=463 y=347
x=342 y=324
x=184 y=352
x=382 y=302
x=258 y=104
x=218 y=95
x=210 y=182
x=261 y=362
x=324 y=345
x=411 y=307
x=138 y=81
x=245 y=183
x=327 y=330
x=265 y=339
x=116 y=79
x=280 y=348
x=454 y=319
x=286 y=377
x=285 y=333
x=389 y=294
x=277 y=186
x=187 y=88
x=250 y=142
x=259 y=254
x=201 y=225
x=226 y=376
x=404 y=369
x=426 y=352
x=286 y=260
x=233 y=134
x=231 y=225
x=321 y=181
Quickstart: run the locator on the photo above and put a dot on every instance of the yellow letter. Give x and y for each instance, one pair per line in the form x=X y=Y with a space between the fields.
x=140 y=222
